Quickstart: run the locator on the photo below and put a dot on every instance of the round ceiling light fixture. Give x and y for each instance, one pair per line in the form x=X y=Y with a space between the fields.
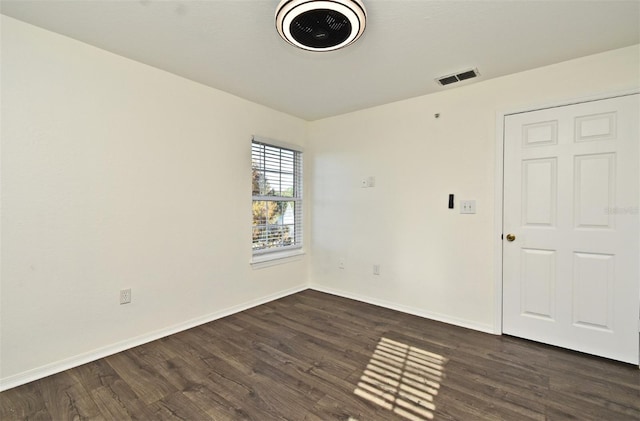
x=320 y=25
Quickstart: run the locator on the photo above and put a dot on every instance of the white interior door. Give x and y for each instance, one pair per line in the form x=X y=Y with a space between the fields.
x=571 y=186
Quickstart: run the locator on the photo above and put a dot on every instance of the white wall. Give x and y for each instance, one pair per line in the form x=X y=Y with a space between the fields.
x=115 y=175
x=433 y=260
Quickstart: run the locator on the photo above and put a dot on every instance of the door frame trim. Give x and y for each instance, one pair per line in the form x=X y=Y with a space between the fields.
x=499 y=186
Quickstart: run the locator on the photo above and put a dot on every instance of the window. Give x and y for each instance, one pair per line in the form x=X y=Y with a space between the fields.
x=277 y=198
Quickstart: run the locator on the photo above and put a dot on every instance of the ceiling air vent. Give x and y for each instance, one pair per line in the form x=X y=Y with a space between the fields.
x=319 y=25
x=468 y=74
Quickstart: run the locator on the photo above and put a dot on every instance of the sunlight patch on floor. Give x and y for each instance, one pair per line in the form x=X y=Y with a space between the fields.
x=403 y=379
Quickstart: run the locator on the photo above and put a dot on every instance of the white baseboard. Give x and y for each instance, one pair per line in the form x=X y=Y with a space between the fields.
x=469 y=324
x=77 y=360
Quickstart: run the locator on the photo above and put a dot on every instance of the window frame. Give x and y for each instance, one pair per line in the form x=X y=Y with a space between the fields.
x=265 y=255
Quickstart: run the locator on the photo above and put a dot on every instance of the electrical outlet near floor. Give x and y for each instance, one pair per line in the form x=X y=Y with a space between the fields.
x=125 y=296
x=376 y=269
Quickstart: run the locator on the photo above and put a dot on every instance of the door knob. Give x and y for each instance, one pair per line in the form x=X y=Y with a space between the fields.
x=511 y=237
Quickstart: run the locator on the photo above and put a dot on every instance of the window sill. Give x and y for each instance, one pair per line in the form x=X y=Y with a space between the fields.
x=276 y=258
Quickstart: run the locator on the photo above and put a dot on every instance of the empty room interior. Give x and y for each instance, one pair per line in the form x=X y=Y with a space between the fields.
x=320 y=210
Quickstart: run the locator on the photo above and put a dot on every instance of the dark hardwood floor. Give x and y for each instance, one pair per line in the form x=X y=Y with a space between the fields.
x=314 y=356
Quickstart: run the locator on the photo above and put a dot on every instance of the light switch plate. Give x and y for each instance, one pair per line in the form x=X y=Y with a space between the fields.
x=467 y=206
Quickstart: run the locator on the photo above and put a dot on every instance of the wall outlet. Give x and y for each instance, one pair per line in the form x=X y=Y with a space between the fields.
x=340 y=263
x=125 y=296
x=467 y=206
x=376 y=269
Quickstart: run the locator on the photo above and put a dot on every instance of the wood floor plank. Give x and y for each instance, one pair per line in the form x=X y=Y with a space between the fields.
x=320 y=379
x=315 y=356
x=596 y=391
x=111 y=405
x=176 y=407
x=145 y=382
x=265 y=366
x=192 y=379
x=284 y=401
x=333 y=332
x=100 y=375
x=152 y=355
x=24 y=402
x=67 y=399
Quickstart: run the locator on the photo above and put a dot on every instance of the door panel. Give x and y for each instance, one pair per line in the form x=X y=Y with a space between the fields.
x=539 y=192
x=593 y=282
x=538 y=283
x=594 y=189
x=571 y=276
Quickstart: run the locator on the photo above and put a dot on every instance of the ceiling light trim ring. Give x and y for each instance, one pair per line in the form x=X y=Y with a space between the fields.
x=288 y=10
x=284 y=17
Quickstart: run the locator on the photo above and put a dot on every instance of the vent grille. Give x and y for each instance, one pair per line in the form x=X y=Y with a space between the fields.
x=449 y=79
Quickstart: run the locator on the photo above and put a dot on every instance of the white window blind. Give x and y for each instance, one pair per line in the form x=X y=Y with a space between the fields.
x=277 y=198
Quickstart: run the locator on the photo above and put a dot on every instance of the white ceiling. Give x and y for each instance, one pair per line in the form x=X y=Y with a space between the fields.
x=232 y=45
